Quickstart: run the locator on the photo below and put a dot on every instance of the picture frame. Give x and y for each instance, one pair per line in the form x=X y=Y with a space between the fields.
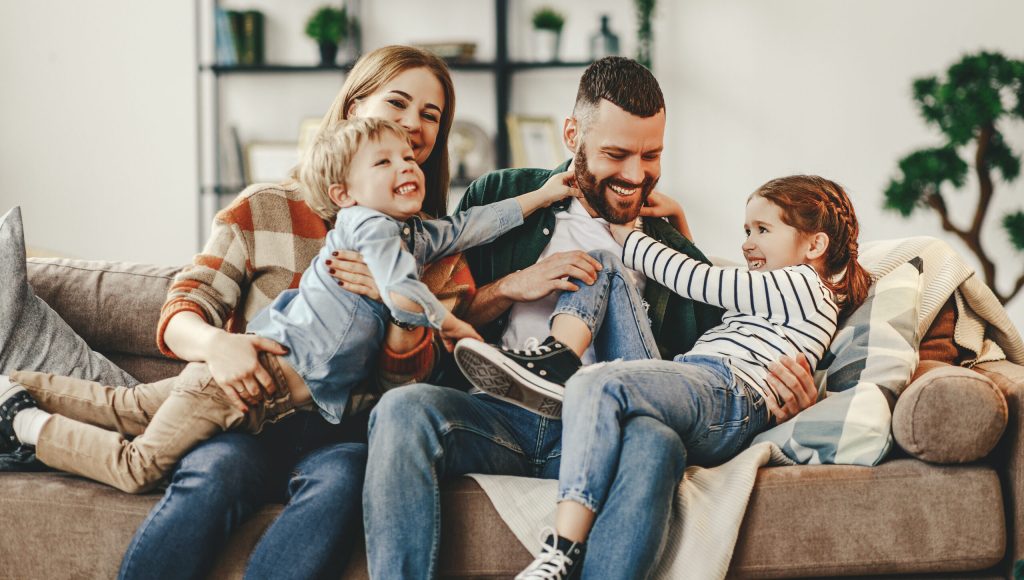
x=534 y=142
x=270 y=161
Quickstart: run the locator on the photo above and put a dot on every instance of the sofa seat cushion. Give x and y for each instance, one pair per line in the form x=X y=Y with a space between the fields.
x=898 y=517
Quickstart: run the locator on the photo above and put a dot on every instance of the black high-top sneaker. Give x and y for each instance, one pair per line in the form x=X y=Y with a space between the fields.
x=559 y=559
x=532 y=377
x=13 y=398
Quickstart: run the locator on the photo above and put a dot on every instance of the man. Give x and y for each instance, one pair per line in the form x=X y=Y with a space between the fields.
x=421 y=434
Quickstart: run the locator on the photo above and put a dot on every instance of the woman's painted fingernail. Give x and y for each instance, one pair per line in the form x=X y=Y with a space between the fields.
x=331 y=270
x=335 y=254
x=329 y=262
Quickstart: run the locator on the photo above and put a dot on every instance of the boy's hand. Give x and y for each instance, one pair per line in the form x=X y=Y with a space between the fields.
x=454 y=329
x=560 y=186
x=621 y=231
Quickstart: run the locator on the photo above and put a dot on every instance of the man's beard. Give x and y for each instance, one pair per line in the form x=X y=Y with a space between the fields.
x=605 y=202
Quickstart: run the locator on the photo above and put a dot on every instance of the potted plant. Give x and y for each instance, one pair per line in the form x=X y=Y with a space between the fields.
x=644 y=33
x=328 y=27
x=973 y=108
x=547 y=30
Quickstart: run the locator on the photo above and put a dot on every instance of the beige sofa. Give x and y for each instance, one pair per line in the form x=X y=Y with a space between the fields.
x=903 y=518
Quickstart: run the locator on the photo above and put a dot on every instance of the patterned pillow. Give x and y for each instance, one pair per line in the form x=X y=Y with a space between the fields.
x=33 y=336
x=868 y=364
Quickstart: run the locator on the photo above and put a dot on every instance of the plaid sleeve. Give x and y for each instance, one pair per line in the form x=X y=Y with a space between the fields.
x=212 y=285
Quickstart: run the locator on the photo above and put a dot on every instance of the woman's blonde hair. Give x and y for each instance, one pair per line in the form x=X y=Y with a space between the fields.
x=369 y=74
x=328 y=158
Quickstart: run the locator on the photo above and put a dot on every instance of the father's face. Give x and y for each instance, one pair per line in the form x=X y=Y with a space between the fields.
x=619 y=161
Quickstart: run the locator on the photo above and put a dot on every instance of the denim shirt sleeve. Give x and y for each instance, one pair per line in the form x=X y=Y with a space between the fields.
x=377 y=237
x=466 y=229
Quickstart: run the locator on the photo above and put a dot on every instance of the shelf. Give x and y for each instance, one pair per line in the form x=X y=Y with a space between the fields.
x=480 y=65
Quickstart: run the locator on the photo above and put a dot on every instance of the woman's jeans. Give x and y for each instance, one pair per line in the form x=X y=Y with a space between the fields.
x=315 y=467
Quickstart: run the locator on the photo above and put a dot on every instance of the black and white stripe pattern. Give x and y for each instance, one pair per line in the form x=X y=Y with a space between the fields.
x=768 y=314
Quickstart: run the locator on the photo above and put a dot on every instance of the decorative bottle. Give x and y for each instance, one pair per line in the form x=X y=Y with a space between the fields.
x=604 y=42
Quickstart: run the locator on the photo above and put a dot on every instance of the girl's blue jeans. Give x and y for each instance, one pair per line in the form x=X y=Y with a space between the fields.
x=714 y=414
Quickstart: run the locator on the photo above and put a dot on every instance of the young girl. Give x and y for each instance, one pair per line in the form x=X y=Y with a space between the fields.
x=801 y=277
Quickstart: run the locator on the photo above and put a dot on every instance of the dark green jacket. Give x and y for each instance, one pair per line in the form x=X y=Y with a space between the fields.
x=676 y=322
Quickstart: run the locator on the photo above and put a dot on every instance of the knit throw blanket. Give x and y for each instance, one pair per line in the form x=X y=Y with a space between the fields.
x=706 y=513
x=710 y=502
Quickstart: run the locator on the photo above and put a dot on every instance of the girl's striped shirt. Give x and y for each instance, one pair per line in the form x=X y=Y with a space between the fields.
x=768 y=314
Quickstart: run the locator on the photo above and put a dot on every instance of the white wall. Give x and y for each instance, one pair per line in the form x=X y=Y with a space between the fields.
x=762 y=89
x=98 y=124
x=99 y=136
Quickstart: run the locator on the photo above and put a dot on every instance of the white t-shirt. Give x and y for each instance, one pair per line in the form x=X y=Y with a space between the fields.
x=574 y=230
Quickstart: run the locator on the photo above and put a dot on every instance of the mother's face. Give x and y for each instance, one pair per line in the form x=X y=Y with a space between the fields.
x=415 y=100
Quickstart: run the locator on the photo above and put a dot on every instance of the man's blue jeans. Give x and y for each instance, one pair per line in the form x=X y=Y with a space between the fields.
x=422 y=434
x=228 y=478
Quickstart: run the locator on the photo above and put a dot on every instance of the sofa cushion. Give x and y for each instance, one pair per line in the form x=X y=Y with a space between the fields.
x=869 y=361
x=32 y=335
x=903 y=516
x=950 y=415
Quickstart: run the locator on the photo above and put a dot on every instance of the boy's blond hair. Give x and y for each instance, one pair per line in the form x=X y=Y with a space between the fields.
x=329 y=156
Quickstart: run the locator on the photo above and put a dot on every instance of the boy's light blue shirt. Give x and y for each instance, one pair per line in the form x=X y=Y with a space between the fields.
x=395 y=252
x=333 y=336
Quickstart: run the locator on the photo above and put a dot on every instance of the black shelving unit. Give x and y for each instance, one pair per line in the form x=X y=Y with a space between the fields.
x=502 y=67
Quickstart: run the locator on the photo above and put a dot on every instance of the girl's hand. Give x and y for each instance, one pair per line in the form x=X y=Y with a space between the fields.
x=235 y=366
x=454 y=329
x=352 y=274
x=660 y=205
x=560 y=186
x=621 y=231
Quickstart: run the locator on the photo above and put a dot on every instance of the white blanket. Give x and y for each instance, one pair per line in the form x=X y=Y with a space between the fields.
x=706 y=516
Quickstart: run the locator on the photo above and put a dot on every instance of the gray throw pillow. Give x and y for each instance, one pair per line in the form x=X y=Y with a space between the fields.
x=32 y=336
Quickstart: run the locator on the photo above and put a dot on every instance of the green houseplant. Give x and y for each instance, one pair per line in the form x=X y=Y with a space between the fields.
x=328 y=26
x=547 y=26
x=644 y=32
x=979 y=94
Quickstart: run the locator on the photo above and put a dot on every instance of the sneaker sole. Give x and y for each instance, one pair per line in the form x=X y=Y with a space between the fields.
x=496 y=376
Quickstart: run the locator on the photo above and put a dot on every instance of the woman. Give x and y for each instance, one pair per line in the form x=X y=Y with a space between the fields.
x=259 y=246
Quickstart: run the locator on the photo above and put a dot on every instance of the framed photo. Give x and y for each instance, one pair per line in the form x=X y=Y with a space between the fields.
x=534 y=142
x=270 y=161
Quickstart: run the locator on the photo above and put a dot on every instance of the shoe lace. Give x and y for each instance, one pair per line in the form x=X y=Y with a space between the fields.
x=550 y=564
x=532 y=347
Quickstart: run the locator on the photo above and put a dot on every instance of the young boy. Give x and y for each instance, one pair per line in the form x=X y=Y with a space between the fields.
x=366 y=169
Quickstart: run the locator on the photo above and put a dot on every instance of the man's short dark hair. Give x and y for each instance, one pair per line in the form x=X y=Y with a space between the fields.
x=622 y=81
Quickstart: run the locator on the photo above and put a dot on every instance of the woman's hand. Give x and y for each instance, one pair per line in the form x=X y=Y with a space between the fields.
x=660 y=205
x=352 y=274
x=234 y=364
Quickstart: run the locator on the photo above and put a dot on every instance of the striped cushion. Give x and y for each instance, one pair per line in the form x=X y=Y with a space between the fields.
x=869 y=362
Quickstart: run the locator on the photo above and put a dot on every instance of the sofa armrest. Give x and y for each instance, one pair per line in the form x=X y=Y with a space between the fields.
x=1008 y=456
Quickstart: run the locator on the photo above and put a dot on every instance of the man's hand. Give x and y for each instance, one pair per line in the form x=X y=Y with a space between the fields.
x=352 y=274
x=234 y=364
x=549 y=275
x=454 y=329
x=792 y=380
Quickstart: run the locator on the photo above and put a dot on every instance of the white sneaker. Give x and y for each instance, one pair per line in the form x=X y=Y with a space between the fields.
x=553 y=563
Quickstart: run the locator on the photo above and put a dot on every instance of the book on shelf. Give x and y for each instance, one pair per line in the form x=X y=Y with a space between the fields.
x=247 y=28
x=226 y=54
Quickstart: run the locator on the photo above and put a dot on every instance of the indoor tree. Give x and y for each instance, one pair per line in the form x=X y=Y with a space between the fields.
x=979 y=95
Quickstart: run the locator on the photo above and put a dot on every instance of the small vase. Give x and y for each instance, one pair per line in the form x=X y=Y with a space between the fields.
x=546 y=44
x=328 y=53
